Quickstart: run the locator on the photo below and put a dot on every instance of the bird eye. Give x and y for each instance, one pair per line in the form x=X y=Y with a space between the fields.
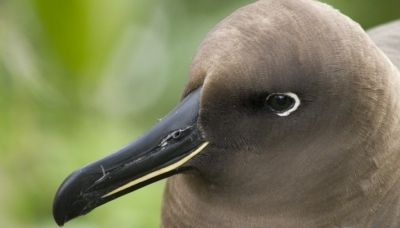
x=282 y=104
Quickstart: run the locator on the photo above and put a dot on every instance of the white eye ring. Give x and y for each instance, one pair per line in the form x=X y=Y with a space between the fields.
x=294 y=107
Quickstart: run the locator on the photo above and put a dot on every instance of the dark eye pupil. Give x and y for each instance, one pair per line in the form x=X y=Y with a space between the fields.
x=280 y=102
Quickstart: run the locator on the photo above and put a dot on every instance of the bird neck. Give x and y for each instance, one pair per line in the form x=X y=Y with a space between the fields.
x=190 y=203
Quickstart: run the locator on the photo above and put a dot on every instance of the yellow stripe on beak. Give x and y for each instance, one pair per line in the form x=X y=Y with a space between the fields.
x=158 y=172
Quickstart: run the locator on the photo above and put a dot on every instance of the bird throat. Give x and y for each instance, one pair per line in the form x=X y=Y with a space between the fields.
x=349 y=197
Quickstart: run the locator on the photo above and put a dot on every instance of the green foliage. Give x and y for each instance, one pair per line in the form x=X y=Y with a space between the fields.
x=81 y=78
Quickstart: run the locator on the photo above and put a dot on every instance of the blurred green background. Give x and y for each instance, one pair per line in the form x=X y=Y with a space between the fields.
x=81 y=78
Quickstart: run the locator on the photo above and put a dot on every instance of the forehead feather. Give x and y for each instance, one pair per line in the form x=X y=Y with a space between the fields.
x=269 y=35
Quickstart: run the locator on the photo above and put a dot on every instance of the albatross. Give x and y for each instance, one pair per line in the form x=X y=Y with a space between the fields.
x=290 y=118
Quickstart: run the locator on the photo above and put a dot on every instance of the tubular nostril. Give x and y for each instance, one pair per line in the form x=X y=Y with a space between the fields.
x=177 y=134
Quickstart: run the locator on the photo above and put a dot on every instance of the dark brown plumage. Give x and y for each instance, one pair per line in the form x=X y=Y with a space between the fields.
x=333 y=163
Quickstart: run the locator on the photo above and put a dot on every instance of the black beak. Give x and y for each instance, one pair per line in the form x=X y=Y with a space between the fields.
x=160 y=153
